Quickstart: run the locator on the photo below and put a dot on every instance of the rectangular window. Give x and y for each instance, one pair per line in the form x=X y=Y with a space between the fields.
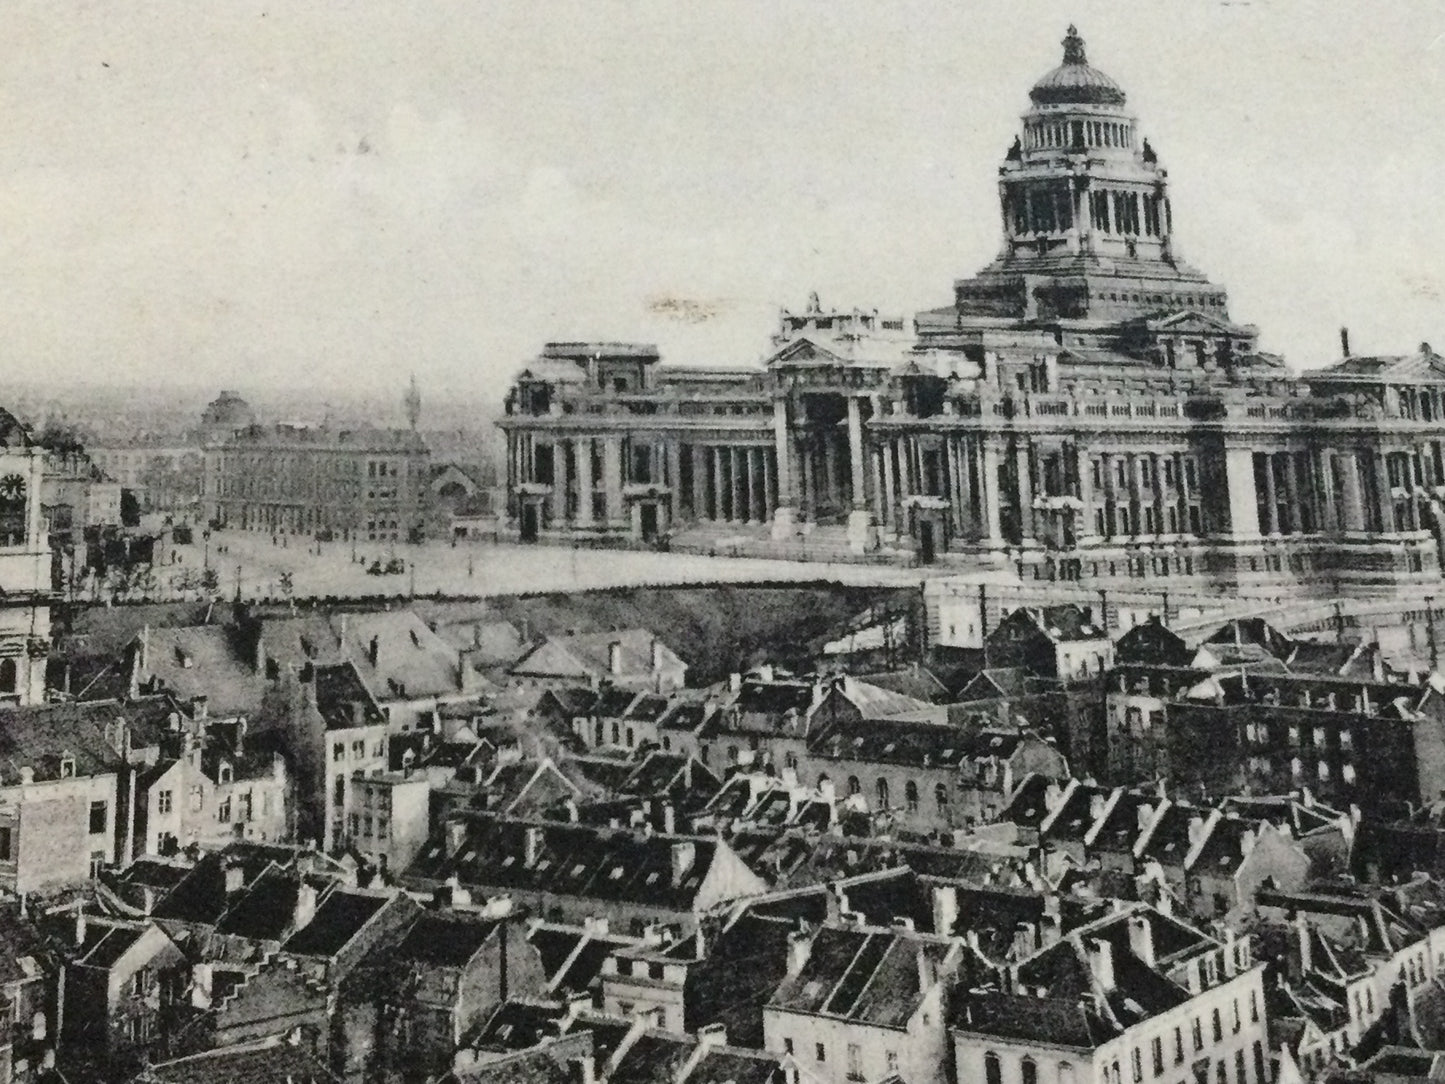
x=1254 y=1006
x=1218 y=1026
x=1158 y=1051
x=1136 y=1063
x=358 y=750
x=1198 y=1034
x=1235 y=1021
x=820 y=1051
x=338 y=751
x=1239 y=1067
x=223 y=811
x=98 y=812
x=5 y=852
x=855 y=1062
x=787 y=1046
x=1178 y=1045
x=163 y=802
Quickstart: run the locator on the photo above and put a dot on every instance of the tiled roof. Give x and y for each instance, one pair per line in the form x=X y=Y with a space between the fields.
x=570 y=859
x=518 y=1025
x=342 y=698
x=271 y=1061
x=339 y=917
x=866 y=976
x=411 y=659
x=203 y=660
x=445 y=940
x=587 y=655
x=40 y=737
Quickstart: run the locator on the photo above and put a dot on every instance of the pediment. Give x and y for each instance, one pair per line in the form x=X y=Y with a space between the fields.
x=1189 y=322
x=803 y=353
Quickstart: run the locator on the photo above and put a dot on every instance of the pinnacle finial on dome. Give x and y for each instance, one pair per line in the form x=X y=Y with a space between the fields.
x=1073 y=46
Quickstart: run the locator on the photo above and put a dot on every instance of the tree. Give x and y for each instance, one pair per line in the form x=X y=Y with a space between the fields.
x=210 y=581
x=284 y=582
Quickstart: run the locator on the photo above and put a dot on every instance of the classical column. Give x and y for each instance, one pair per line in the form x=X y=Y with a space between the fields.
x=990 y=495
x=808 y=497
x=582 y=450
x=1136 y=493
x=1384 y=501
x=786 y=498
x=1328 y=514
x=1291 y=491
x=890 y=493
x=1024 y=472
x=855 y=453
x=674 y=477
x=875 y=460
x=830 y=469
x=612 y=478
x=738 y=477
x=1161 y=520
x=1354 y=513
x=771 y=497
x=559 y=482
x=1243 y=502
x=1084 y=472
x=718 y=507
x=699 y=481
x=1271 y=498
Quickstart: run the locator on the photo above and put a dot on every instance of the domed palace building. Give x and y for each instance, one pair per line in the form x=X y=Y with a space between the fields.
x=1084 y=409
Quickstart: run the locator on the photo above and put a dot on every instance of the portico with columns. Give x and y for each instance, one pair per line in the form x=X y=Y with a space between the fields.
x=1083 y=408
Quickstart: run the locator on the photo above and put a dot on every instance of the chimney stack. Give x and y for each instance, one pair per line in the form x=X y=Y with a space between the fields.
x=800 y=945
x=614 y=658
x=1101 y=961
x=305 y=906
x=80 y=925
x=532 y=845
x=684 y=856
x=1345 y=341
x=945 y=909
x=1141 y=938
x=656 y=655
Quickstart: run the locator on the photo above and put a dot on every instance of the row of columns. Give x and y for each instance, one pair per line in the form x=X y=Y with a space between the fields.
x=733 y=483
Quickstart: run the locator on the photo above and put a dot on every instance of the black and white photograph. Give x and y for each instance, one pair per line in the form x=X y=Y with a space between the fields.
x=618 y=542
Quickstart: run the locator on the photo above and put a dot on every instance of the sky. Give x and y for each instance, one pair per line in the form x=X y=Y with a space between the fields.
x=302 y=193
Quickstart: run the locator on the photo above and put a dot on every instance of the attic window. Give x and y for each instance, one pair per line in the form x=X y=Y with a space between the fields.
x=652 y=877
x=578 y=869
x=616 y=873
x=67 y=765
x=508 y=860
x=543 y=863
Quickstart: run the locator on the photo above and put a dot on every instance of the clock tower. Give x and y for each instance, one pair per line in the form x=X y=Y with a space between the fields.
x=24 y=568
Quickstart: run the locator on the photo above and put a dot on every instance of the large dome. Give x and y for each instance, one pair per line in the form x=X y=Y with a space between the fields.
x=1075 y=83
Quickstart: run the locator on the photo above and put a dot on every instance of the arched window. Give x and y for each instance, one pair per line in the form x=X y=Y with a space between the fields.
x=940 y=795
x=8 y=675
x=1066 y=1073
x=992 y=1069
x=854 y=787
x=1028 y=1071
x=823 y=780
x=882 y=789
x=910 y=795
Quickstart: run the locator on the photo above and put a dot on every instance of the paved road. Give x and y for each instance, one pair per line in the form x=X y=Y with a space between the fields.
x=482 y=569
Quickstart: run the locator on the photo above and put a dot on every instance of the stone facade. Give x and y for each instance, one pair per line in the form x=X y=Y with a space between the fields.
x=1084 y=409
x=366 y=485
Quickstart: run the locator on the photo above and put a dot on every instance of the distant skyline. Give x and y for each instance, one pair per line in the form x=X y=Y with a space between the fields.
x=251 y=194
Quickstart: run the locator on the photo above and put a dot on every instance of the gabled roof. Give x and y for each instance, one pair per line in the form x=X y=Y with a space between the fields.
x=865 y=975
x=572 y=860
x=445 y=939
x=587 y=656
x=343 y=699
x=200 y=660
x=1423 y=364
